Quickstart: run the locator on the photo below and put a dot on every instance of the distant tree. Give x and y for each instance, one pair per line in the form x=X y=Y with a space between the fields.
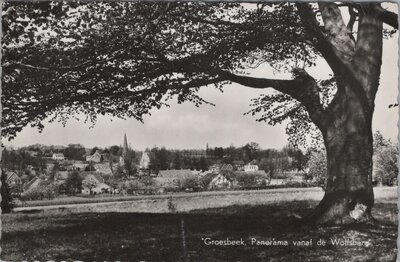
x=154 y=160
x=177 y=162
x=115 y=150
x=55 y=168
x=317 y=169
x=130 y=163
x=6 y=198
x=126 y=58
x=40 y=162
x=147 y=181
x=219 y=152
x=94 y=149
x=90 y=167
x=380 y=142
x=162 y=156
x=299 y=160
x=90 y=183
x=119 y=173
x=131 y=186
x=386 y=170
x=203 y=165
x=189 y=183
x=232 y=152
x=106 y=151
x=74 y=152
x=268 y=165
x=245 y=180
x=73 y=184
x=251 y=151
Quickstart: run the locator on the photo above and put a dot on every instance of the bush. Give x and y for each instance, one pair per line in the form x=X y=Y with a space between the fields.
x=6 y=198
x=131 y=187
x=73 y=184
x=386 y=165
x=189 y=183
x=41 y=192
x=317 y=169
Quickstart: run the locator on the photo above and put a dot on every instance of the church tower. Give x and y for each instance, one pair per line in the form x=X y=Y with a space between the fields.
x=125 y=146
x=124 y=151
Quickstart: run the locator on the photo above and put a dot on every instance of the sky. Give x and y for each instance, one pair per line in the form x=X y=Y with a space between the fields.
x=183 y=126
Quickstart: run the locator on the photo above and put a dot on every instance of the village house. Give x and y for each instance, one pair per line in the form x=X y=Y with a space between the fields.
x=250 y=167
x=99 y=188
x=220 y=181
x=214 y=168
x=32 y=184
x=78 y=165
x=12 y=178
x=238 y=164
x=96 y=157
x=144 y=164
x=61 y=176
x=30 y=170
x=58 y=156
x=103 y=168
x=14 y=182
x=226 y=167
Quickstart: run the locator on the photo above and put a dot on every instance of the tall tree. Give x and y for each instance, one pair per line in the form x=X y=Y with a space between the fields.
x=124 y=59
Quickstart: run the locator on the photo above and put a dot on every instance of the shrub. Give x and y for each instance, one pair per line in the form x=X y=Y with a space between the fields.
x=317 y=169
x=189 y=182
x=73 y=184
x=6 y=198
x=41 y=192
x=386 y=165
x=171 y=205
x=131 y=186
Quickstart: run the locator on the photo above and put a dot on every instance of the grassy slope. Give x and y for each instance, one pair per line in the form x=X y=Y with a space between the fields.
x=158 y=237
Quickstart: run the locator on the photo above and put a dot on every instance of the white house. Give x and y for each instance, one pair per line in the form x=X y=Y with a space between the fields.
x=96 y=157
x=97 y=184
x=100 y=188
x=250 y=168
x=32 y=184
x=220 y=182
x=144 y=161
x=58 y=156
x=214 y=168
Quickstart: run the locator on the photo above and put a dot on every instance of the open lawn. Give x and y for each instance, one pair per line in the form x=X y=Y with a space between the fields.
x=178 y=237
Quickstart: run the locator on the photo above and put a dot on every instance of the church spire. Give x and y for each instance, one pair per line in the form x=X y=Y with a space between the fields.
x=125 y=146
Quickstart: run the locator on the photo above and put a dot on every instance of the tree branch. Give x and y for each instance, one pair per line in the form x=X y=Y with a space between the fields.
x=388 y=17
x=260 y=83
x=318 y=38
x=350 y=24
x=302 y=88
x=339 y=35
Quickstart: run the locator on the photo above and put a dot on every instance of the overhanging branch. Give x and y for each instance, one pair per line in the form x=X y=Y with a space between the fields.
x=388 y=17
x=303 y=88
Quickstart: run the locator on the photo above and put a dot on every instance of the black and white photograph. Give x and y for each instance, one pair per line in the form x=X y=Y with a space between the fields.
x=199 y=131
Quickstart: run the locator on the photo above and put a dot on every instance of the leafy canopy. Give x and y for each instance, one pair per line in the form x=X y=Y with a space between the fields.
x=65 y=59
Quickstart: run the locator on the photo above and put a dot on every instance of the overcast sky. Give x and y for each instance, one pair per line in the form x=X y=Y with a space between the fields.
x=185 y=126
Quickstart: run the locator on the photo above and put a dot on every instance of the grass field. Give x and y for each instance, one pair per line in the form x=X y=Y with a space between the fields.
x=178 y=237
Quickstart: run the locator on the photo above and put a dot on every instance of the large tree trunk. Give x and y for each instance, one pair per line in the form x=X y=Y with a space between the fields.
x=348 y=141
x=347 y=125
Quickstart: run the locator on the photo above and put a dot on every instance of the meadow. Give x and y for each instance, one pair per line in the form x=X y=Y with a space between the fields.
x=260 y=230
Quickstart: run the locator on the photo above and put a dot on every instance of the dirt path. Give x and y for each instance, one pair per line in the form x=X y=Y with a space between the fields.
x=192 y=201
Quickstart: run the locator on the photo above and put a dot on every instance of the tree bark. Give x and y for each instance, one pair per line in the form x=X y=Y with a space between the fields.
x=347 y=125
x=348 y=141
